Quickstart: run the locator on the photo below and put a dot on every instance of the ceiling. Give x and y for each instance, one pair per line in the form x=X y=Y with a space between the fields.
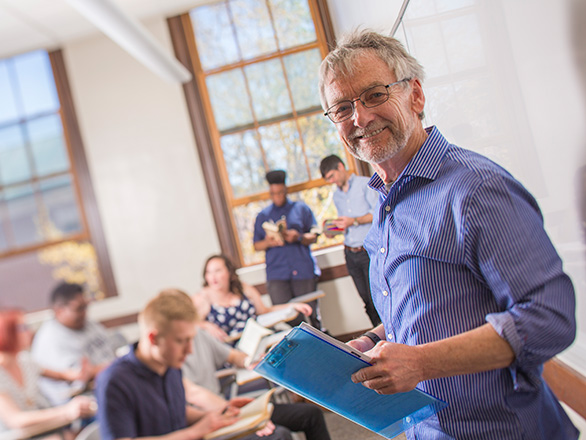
x=48 y=24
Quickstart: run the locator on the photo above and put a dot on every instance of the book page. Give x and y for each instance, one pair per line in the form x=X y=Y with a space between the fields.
x=251 y=336
x=282 y=315
x=252 y=417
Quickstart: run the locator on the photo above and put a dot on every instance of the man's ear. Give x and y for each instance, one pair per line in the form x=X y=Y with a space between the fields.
x=152 y=336
x=417 y=96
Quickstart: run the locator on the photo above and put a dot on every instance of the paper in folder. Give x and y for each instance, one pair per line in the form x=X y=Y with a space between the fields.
x=318 y=367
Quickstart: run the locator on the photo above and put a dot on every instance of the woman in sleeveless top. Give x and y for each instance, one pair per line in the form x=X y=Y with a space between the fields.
x=225 y=303
x=21 y=404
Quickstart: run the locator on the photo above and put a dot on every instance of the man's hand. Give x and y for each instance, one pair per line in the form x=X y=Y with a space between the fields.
x=214 y=420
x=343 y=222
x=267 y=430
x=239 y=402
x=396 y=368
x=272 y=241
x=291 y=235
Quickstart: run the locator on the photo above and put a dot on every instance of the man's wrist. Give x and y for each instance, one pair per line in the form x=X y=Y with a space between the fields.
x=372 y=336
x=355 y=222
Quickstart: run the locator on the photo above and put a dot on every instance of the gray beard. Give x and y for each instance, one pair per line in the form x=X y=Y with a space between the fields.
x=390 y=149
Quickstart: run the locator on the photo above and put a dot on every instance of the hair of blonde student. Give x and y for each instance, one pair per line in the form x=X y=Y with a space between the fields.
x=168 y=306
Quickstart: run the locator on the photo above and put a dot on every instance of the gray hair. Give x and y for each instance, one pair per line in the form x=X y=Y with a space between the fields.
x=388 y=49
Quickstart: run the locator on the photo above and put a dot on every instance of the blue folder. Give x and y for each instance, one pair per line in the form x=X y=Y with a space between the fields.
x=317 y=367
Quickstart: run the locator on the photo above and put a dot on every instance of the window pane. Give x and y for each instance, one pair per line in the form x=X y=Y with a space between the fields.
x=268 y=89
x=36 y=84
x=48 y=145
x=293 y=23
x=229 y=99
x=59 y=198
x=427 y=41
x=214 y=36
x=23 y=214
x=302 y=69
x=14 y=165
x=320 y=139
x=463 y=43
x=421 y=9
x=253 y=27
x=244 y=163
x=8 y=110
x=244 y=218
x=283 y=150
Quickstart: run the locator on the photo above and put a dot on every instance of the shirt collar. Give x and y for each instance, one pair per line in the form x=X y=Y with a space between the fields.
x=426 y=162
x=138 y=366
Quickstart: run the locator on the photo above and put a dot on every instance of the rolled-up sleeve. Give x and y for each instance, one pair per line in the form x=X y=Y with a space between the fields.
x=510 y=250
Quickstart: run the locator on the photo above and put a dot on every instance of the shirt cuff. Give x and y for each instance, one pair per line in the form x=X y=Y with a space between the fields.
x=504 y=325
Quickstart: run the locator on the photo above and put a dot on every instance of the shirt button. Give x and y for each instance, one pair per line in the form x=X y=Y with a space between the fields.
x=389 y=337
x=387 y=208
x=385 y=293
x=382 y=250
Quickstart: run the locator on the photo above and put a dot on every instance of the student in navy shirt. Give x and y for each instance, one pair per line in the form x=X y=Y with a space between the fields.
x=291 y=269
x=142 y=393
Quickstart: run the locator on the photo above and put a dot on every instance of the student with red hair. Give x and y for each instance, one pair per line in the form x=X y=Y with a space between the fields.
x=21 y=404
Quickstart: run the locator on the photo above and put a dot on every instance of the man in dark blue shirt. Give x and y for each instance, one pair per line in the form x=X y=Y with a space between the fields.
x=142 y=394
x=291 y=269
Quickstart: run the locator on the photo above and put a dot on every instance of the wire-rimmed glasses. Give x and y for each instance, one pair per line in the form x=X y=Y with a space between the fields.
x=371 y=97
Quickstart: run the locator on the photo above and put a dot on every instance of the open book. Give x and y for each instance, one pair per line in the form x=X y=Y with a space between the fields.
x=319 y=368
x=253 y=416
x=275 y=229
x=256 y=340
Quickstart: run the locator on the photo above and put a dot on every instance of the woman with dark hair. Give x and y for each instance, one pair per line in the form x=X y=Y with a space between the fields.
x=226 y=303
x=22 y=407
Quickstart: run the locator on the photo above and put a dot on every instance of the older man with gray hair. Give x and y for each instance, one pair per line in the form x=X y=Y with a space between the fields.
x=469 y=288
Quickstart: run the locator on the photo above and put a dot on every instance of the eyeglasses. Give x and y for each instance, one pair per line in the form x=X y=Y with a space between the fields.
x=371 y=97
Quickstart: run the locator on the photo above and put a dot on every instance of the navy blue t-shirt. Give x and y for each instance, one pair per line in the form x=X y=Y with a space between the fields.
x=134 y=401
x=293 y=261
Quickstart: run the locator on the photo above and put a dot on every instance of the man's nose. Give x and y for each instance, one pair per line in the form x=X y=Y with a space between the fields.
x=362 y=115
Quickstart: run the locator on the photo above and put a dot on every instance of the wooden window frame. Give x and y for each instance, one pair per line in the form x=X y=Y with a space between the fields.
x=210 y=154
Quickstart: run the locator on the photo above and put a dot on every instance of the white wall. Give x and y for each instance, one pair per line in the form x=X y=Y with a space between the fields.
x=145 y=170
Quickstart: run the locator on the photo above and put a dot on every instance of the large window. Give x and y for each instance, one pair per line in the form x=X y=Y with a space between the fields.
x=44 y=231
x=256 y=64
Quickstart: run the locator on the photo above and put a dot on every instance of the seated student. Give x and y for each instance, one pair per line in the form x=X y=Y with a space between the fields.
x=203 y=389
x=69 y=338
x=21 y=403
x=227 y=303
x=141 y=394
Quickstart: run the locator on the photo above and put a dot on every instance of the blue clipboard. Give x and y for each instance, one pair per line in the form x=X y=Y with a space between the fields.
x=318 y=367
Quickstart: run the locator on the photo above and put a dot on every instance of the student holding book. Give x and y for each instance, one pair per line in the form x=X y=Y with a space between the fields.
x=202 y=387
x=141 y=394
x=471 y=293
x=227 y=303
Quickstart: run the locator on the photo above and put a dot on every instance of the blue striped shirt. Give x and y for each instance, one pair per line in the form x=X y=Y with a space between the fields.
x=359 y=200
x=458 y=242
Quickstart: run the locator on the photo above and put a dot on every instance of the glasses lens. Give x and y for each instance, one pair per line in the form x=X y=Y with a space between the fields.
x=374 y=96
x=341 y=111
